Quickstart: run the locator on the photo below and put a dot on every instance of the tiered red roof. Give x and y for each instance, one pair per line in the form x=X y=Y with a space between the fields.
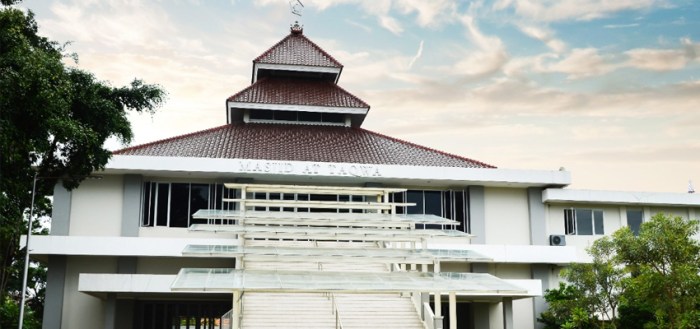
x=296 y=49
x=297 y=92
x=290 y=142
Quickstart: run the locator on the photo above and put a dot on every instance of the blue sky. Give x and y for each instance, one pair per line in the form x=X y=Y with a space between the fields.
x=607 y=89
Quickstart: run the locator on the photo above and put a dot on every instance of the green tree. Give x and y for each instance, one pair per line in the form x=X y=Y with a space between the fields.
x=663 y=262
x=645 y=281
x=599 y=282
x=54 y=121
x=592 y=290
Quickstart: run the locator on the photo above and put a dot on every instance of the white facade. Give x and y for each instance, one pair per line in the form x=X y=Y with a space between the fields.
x=116 y=244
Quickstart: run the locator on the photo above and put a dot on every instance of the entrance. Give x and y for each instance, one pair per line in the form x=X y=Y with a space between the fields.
x=177 y=314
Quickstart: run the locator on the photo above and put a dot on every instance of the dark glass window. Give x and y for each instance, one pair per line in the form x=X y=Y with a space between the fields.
x=199 y=198
x=179 y=204
x=286 y=115
x=149 y=204
x=569 y=222
x=162 y=204
x=417 y=198
x=635 y=217
x=584 y=222
x=598 y=222
x=433 y=203
x=334 y=117
x=310 y=116
x=261 y=114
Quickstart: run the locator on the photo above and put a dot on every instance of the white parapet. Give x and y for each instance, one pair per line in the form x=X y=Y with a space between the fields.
x=115 y=246
x=519 y=254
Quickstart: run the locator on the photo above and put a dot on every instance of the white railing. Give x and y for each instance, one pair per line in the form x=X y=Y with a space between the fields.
x=335 y=311
x=227 y=320
x=429 y=316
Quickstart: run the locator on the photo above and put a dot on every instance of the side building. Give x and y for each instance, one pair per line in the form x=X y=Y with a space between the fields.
x=293 y=206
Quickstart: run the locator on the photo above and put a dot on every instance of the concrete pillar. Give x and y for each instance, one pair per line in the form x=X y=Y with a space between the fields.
x=539 y=305
x=508 y=313
x=481 y=311
x=437 y=324
x=536 y=211
x=110 y=311
x=453 y=310
x=437 y=300
x=55 y=286
x=477 y=214
x=60 y=215
x=131 y=206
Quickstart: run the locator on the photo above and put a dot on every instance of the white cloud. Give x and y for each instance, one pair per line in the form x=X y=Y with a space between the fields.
x=657 y=59
x=581 y=63
x=663 y=59
x=391 y=24
x=489 y=56
x=620 y=26
x=418 y=55
x=429 y=13
x=545 y=35
x=557 y=10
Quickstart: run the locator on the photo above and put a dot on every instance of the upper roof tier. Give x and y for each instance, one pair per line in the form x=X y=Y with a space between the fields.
x=294 y=100
x=296 y=55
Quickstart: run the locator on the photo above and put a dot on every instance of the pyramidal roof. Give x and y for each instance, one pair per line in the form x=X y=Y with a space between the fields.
x=294 y=110
x=290 y=142
x=296 y=49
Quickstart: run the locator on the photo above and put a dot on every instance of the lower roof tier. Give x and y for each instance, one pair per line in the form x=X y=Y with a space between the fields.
x=290 y=142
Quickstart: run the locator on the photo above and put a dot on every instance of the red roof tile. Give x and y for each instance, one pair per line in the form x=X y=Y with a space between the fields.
x=296 y=49
x=297 y=92
x=287 y=142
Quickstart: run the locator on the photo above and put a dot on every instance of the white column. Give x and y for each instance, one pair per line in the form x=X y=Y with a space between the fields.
x=508 y=313
x=453 y=310
x=236 y=316
x=438 y=311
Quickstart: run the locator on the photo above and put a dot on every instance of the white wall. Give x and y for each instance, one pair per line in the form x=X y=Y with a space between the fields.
x=96 y=207
x=81 y=310
x=507 y=216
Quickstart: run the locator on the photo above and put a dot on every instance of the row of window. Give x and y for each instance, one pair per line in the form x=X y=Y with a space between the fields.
x=297 y=116
x=173 y=204
x=591 y=222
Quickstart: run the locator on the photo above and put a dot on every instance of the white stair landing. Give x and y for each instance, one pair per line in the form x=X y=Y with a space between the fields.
x=287 y=310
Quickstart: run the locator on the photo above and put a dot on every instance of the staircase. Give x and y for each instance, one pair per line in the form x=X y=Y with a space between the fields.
x=315 y=310
x=287 y=310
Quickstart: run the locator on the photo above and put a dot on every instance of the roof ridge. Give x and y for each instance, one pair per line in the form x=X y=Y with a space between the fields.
x=351 y=94
x=428 y=148
x=269 y=50
x=169 y=139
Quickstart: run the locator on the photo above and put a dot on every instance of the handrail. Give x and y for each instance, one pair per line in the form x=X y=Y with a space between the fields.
x=429 y=316
x=335 y=311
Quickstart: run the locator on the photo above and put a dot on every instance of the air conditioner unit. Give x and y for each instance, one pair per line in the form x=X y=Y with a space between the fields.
x=557 y=240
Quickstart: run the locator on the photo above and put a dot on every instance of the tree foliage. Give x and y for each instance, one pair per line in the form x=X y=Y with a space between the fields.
x=646 y=281
x=54 y=121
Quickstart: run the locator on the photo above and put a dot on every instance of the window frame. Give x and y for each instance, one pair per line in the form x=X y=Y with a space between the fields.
x=572 y=221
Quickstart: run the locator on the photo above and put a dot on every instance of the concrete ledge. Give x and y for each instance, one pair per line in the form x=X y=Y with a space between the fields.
x=115 y=246
x=553 y=195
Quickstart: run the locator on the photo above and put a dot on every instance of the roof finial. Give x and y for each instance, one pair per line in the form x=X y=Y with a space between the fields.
x=296 y=28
